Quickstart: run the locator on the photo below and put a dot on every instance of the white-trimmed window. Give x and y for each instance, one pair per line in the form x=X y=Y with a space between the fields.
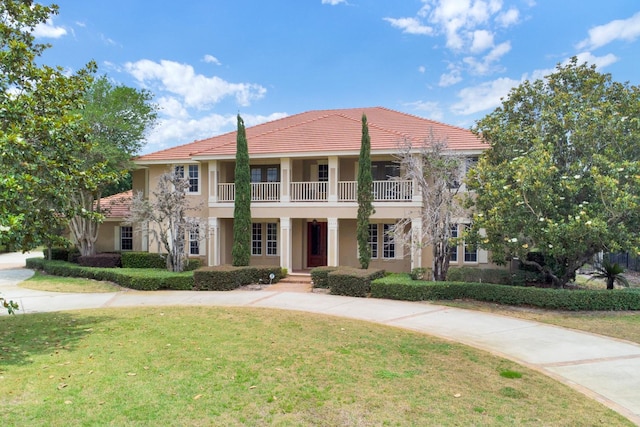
x=194 y=241
x=373 y=240
x=193 y=172
x=256 y=238
x=272 y=238
x=126 y=238
x=388 y=245
x=470 y=251
x=453 y=247
x=323 y=172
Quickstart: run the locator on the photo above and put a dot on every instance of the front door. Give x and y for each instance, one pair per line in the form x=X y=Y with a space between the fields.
x=316 y=244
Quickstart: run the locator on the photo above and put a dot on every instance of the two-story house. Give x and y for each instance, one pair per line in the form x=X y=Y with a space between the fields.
x=304 y=190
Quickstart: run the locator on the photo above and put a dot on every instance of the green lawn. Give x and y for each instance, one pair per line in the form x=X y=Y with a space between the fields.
x=201 y=366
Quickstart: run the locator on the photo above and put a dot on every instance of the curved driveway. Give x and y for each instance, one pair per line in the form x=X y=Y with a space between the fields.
x=605 y=369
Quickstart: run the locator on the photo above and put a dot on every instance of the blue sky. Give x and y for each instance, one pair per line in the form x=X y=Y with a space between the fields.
x=447 y=60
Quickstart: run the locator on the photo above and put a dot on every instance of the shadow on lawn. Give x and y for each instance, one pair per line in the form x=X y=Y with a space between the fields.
x=24 y=336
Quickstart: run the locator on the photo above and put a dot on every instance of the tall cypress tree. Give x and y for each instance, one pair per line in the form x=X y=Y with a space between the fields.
x=241 y=252
x=365 y=197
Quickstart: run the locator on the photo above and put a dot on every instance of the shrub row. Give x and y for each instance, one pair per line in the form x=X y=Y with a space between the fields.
x=352 y=282
x=227 y=277
x=140 y=279
x=320 y=276
x=143 y=260
x=493 y=275
x=401 y=287
x=104 y=260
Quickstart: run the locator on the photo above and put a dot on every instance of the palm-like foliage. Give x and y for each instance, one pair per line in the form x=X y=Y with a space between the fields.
x=611 y=273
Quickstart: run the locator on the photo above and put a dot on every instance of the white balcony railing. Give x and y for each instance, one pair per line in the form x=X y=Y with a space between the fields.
x=309 y=191
x=265 y=191
x=383 y=191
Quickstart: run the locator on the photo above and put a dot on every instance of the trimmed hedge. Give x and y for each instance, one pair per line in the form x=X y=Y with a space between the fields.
x=352 y=282
x=493 y=275
x=401 y=287
x=139 y=279
x=143 y=260
x=320 y=276
x=228 y=277
x=104 y=260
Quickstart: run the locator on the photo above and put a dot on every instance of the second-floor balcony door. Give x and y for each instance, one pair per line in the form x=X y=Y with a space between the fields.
x=316 y=244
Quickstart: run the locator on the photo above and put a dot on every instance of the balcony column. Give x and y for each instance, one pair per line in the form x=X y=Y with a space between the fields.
x=213 y=257
x=417 y=191
x=416 y=243
x=333 y=179
x=286 y=239
x=285 y=180
x=333 y=243
x=213 y=181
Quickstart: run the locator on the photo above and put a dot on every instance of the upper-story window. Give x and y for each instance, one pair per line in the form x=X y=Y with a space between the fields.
x=323 y=172
x=383 y=171
x=193 y=174
x=265 y=174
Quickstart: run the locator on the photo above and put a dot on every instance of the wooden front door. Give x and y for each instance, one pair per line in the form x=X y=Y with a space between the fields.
x=316 y=244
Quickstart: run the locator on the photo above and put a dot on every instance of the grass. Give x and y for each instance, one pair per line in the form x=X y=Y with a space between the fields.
x=231 y=366
x=44 y=282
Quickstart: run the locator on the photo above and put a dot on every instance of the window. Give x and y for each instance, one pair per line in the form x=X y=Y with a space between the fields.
x=471 y=163
x=383 y=171
x=256 y=239
x=373 y=240
x=194 y=241
x=126 y=238
x=453 y=247
x=323 y=172
x=265 y=173
x=388 y=246
x=194 y=176
x=272 y=238
x=256 y=175
x=470 y=251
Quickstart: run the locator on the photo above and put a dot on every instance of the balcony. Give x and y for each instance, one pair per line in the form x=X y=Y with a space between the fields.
x=317 y=191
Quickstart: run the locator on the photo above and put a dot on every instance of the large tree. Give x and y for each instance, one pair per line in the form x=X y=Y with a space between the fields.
x=42 y=138
x=241 y=250
x=437 y=175
x=165 y=216
x=562 y=177
x=118 y=117
x=365 y=196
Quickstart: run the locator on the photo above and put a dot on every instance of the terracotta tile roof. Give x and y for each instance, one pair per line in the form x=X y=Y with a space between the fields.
x=319 y=131
x=118 y=204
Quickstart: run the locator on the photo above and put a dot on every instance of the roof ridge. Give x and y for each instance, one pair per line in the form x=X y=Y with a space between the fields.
x=425 y=118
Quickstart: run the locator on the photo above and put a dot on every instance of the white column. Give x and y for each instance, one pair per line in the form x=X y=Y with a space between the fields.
x=333 y=244
x=333 y=179
x=285 y=179
x=213 y=181
x=213 y=257
x=416 y=243
x=286 y=240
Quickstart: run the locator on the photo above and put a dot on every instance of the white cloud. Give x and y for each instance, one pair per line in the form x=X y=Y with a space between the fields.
x=452 y=77
x=599 y=61
x=171 y=107
x=170 y=132
x=483 y=97
x=196 y=90
x=508 y=18
x=431 y=110
x=422 y=69
x=487 y=64
x=211 y=59
x=48 y=30
x=620 y=29
x=481 y=40
x=410 y=26
x=333 y=2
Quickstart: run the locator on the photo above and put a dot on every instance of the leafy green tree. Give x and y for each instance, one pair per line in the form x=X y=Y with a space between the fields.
x=118 y=117
x=365 y=196
x=241 y=251
x=562 y=176
x=42 y=138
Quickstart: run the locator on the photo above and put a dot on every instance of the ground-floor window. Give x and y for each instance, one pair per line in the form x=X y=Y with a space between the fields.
x=373 y=240
x=272 y=238
x=453 y=248
x=470 y=251
x=194 y=242
x=126 y=238
x=388 y=245
x=256 y=238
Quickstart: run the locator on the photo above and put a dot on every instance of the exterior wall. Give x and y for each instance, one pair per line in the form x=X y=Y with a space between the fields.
x=107 y=237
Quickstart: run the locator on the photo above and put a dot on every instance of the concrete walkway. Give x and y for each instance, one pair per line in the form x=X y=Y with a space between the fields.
x=605 y=369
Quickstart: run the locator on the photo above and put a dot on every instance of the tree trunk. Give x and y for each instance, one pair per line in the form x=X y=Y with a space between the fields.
x=610 y=282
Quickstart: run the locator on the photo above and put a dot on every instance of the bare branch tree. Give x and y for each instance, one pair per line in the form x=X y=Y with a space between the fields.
x=437 y=175
x=165 y=216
